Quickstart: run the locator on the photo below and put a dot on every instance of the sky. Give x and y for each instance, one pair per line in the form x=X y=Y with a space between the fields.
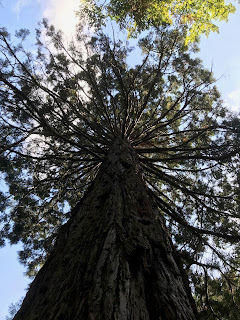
x=220 y=52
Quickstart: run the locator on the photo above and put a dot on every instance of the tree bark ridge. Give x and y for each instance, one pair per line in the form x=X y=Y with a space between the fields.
x=113 y=260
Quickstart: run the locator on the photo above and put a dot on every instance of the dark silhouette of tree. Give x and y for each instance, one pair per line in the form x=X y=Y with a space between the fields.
x=146 y=145
x=13 y=309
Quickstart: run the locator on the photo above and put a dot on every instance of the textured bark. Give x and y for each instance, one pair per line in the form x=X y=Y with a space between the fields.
x=114 y=258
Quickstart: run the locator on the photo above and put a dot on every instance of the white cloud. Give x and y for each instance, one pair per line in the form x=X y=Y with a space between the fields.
x=61 y=13
x=20 y=4
x=233 y=100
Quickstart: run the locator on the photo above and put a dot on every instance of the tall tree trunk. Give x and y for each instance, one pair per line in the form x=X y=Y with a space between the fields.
x=114 y=259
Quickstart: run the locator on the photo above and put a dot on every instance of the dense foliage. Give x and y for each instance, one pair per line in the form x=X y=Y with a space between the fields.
x=61 y=109
x=220 y=297
x=200 y=17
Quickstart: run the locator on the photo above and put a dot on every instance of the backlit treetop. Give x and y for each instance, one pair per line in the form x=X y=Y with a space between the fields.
x=200 y=17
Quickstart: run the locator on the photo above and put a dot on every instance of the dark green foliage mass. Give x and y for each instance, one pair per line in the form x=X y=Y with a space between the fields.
x=218 y=298
x=62 y=108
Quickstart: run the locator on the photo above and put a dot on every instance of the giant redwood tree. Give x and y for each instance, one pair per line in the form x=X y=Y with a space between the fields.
x=122 y=177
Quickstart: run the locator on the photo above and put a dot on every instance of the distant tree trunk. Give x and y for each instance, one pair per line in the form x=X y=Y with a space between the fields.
x=114 y=258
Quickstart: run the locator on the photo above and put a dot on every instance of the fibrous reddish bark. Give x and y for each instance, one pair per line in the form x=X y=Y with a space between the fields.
x=114 y=258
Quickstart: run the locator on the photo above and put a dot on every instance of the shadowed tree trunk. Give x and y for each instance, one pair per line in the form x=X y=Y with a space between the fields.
x=114 y=258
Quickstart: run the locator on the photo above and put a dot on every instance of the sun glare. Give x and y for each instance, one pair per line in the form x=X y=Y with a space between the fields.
x=62 y=14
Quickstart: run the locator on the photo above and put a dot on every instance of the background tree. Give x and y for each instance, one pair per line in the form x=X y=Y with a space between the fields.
x=62 y=112
x=218 y=298
x=13 y=309
x=200 y=17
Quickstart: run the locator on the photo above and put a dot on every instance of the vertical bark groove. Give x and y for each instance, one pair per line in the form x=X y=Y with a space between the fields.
x=113 y=260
